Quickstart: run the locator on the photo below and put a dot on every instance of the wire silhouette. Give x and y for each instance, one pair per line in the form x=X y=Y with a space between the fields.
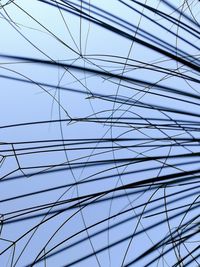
x=99 y=147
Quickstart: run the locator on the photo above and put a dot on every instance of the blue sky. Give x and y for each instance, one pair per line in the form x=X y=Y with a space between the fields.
x=120 y=90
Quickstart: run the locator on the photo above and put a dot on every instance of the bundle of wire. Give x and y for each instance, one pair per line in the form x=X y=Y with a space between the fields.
x=99 y=133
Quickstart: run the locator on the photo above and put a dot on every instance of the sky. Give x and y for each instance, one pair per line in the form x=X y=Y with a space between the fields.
x=99 y=133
